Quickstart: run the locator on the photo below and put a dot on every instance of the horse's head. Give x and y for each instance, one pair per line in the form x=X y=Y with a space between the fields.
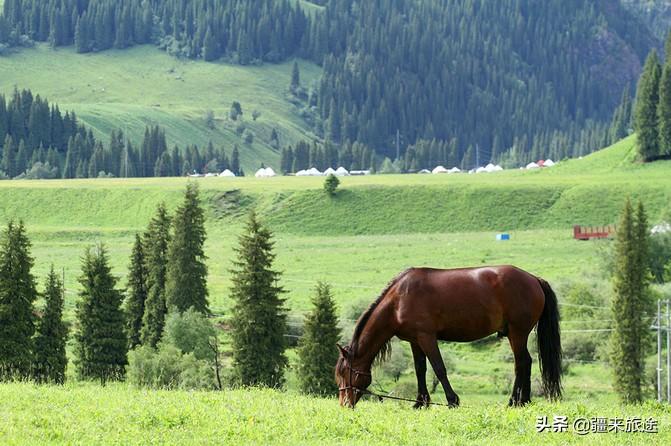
x=352 y=383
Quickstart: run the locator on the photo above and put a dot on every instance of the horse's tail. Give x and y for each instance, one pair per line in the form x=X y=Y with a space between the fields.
x=549 y=344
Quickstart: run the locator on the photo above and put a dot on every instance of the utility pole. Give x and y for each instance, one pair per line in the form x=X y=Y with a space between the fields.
x=398 y=144
x=668 y=351
x=659 y=350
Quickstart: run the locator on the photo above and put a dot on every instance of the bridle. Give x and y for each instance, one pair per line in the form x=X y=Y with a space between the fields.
x=355 y=372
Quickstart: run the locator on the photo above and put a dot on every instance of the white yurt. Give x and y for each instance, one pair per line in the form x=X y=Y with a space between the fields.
x=227 y=173
x=314 y=172
x=302 y=173
x=424 y=171
x=549 y=163
x=265 y=173
x=455 y=169
x=341 y=171
x=439 y=169
x=532 y=166
x=481 y=170
x=329 y=171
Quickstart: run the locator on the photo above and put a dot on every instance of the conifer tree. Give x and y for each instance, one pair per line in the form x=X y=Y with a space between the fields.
x=664 y=111
x=52 y=334
x=258 y=321
x=210 y=46
x=317 y=350
x=630 y=302
x=645 y=115
x=295 y=77
x=235 y=161
x=156 y=241
x=186 y=284
x=137 y=293
x=17 y=296
x=101 y=344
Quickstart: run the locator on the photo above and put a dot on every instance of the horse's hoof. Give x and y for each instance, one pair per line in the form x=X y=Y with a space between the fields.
x=422 y=402
x=453 y=402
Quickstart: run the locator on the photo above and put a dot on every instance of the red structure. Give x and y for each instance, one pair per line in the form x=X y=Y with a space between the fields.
x=590 y=232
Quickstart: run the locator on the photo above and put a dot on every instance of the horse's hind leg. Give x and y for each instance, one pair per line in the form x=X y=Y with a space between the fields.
x=419 y=358
x=429 y=346
x=522 y=386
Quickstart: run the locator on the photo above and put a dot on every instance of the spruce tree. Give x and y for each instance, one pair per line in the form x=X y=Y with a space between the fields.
x=629 y=304
x=317 y=350
x=52 y=334
x=156 y=241
x=258 y=322
x=664 y=111
x=137 y=293
x=295 y=77
x=101 y=344
x=235 y=161
x=186 y=285
x=17 y=296
x=645 y=115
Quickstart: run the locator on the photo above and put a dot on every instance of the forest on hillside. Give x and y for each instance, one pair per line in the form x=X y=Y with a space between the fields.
x=511 y=80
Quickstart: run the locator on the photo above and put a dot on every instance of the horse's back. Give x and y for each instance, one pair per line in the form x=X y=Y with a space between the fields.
x=468 y=303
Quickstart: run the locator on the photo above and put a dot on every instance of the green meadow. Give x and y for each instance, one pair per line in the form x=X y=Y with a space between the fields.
x=132 y=88
x=358 y=240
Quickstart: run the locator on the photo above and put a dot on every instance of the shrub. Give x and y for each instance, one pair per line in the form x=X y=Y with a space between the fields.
x=186 y=358
x=331 y=183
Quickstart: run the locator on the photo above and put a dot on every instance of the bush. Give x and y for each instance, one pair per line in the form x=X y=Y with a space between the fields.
x=40 y=171
x=186 y=358
x=248 y=137
x=660 y=257
x=331 y=183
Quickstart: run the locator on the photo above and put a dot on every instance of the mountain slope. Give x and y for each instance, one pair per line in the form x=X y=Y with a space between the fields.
x=132 y=88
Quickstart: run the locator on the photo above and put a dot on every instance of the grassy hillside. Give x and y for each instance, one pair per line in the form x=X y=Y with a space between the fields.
x=131 y=88
x=118 y=414
x=375 y=227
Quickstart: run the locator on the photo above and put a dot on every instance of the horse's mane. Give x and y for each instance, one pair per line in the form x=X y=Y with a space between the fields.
x=385 y=351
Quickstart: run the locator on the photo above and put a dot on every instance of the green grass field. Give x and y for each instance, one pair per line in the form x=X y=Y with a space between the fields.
x=118 y=414
x=129 y=89
x=375 y=227
x=357 y=241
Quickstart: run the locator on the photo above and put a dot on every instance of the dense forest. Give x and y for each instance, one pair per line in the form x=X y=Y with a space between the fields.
x=511 y=80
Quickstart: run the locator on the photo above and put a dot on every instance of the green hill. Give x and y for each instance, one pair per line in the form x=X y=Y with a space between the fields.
x=129 y=89
x=390 y=221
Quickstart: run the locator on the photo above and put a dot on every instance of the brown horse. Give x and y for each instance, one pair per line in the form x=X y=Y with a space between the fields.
x=424 y=305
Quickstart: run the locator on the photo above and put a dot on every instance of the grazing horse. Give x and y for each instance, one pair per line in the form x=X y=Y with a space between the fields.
x=425 y=305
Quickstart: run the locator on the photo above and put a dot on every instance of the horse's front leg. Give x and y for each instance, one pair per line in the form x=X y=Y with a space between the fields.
x=419 y=357
x=429 y=345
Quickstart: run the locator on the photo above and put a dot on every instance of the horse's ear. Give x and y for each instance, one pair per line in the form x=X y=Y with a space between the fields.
x=343 y=351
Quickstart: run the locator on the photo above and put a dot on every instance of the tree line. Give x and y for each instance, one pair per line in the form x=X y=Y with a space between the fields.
x=38 y=141
x=652 y=116
x=158 y=331
x=519 y=80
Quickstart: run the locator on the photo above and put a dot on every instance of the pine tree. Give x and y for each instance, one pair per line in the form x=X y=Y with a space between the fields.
x=210 y=51
x=630 y=303
x=137 y=293
x=664 y=111
x=235 y=161
x=52 y=334
x=258 y=321
x=295 y=77
x=101 y=344
x=317 y=348
x=186 y=284
x=156 y=242
x=621 y=118
x=17 y=296
x=645 y=115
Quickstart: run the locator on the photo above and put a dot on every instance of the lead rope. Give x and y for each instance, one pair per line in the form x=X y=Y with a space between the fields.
x=398 y=398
